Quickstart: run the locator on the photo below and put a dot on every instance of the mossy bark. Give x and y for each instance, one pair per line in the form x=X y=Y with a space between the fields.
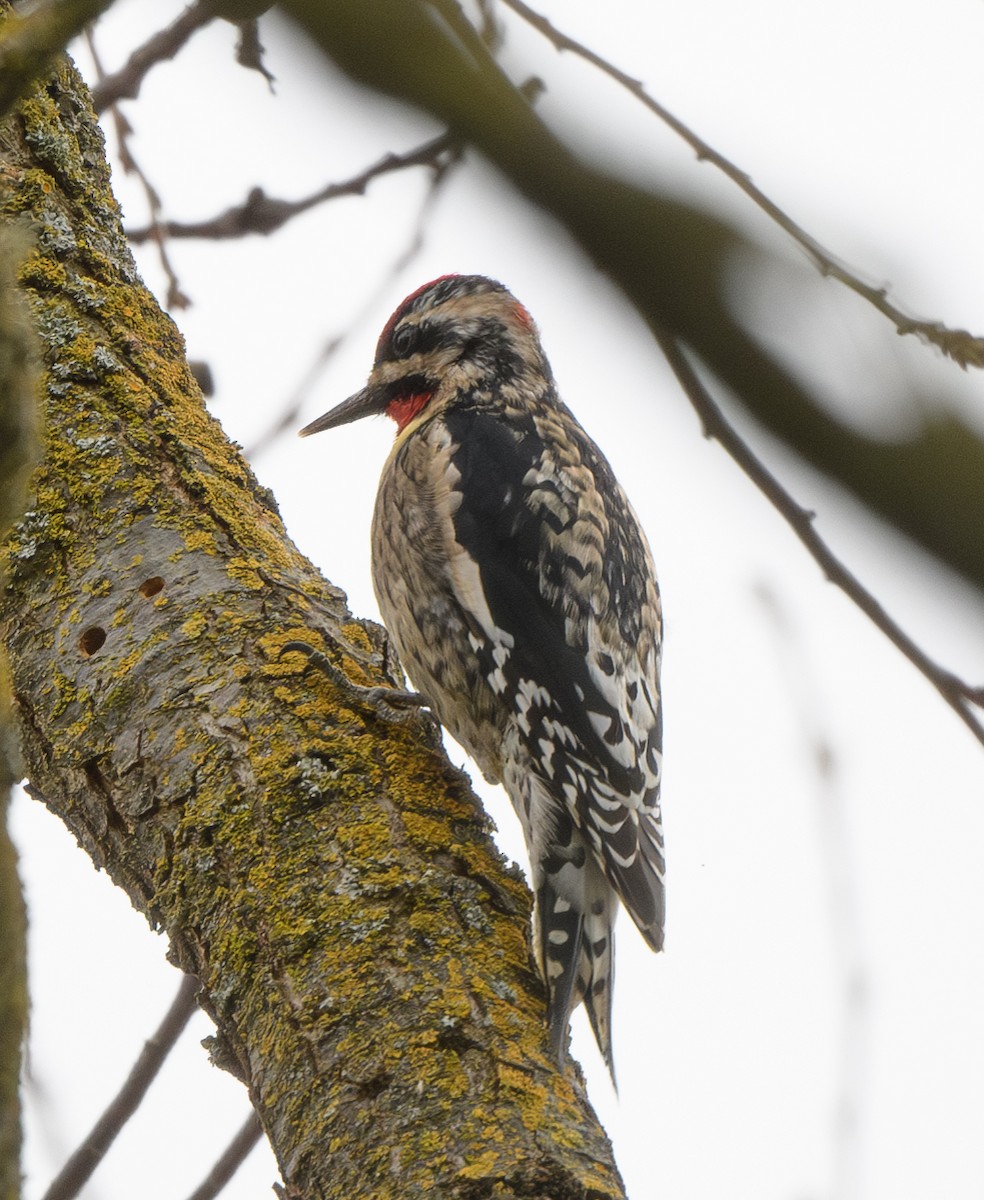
x=327 y=876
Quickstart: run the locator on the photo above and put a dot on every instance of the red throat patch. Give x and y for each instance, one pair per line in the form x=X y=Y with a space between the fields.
x=403 y=409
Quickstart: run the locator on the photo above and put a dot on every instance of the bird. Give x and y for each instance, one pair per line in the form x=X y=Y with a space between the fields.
x=518 y=588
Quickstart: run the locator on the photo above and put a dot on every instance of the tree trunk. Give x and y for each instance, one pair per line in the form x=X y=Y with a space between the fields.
x=328 y=876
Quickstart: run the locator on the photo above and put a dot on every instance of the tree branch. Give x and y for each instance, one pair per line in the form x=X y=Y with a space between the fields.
x=176 y=297
x=125 y=83
x=953 y=690
x=962 y=347
x=289 y=414
x=73 y=1176
x=230 y=1161
x=264 y=214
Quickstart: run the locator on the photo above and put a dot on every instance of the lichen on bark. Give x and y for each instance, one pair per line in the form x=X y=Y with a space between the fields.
x=328 y=877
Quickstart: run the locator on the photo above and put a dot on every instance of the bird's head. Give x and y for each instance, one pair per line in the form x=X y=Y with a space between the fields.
x=452 y=337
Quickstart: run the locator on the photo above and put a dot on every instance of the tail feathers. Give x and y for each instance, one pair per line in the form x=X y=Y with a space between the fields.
x=574 y=949
x=633 y=860
x=560 y=935
x=598 y=976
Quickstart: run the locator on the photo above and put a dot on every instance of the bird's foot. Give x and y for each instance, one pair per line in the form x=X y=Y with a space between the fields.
x=396 y=705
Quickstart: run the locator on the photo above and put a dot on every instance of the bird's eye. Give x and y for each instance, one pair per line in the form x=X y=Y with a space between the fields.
x=404 y=340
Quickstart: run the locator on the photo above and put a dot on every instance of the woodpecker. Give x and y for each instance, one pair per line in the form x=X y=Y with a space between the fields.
x=519 y=591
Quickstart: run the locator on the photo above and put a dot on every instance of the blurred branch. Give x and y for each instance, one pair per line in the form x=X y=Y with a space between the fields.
x=249 y=50
x=264 y=214
x=288 y=417
x=953 y=690
x=176 y=297
x=30 y=43
x=127 y=81
x=72 y=1177
x=231 y=1159
x=842 y=897
x=125 y=84
x=964 y=348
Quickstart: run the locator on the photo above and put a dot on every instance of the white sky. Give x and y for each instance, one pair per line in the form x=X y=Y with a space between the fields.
x=739 y=1048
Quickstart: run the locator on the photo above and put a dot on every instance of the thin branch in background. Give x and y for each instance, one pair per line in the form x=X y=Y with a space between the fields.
x=231 y=1160
x=289 y=417
x=164 y=45
x=957 y=694
x=263 y=214
x=249 y=50
x=176 y=298
x=73 y=1176
x=490 y=30
x=964 y=348
x=843 y=907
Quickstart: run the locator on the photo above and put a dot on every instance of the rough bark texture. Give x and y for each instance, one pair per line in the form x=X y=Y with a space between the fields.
x=674 y=262
x=327 y=876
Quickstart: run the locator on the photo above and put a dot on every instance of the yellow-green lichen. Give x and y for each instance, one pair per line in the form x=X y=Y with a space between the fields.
x=196 y=625
x=245 y=572
x=200 y=539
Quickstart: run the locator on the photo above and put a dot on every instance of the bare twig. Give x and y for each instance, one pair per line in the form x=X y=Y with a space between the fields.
x=964 y=348
x=126 y=82
x=176 y=297
x=231 y=1159
x=290 y=412
x=264 y=214
x=70 y=1180
x=249 y=50
x=842 y=894
x=954 y=691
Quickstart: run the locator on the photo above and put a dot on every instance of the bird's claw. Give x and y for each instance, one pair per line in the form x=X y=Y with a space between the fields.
x=396 y=705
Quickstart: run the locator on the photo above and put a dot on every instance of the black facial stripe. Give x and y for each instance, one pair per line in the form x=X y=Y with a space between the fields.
x=409 y=385
x=409 y=340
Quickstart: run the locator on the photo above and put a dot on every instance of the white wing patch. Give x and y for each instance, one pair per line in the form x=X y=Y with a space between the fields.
x=467 y=582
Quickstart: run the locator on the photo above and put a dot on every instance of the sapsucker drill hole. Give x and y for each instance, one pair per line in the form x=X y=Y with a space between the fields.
x=151 y=587
x=92 y=640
